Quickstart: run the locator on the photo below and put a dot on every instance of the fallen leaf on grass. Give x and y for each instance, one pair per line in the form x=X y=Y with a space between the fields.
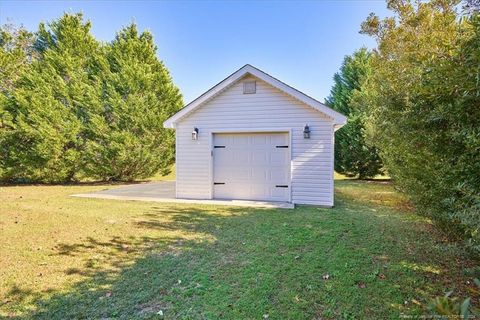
x=108 y=294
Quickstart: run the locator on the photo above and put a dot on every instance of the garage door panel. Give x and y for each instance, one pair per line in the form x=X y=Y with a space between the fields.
x=279 y=139
x=221 y=140
x=239 y=140
x=240 y=156
x=259 y=140
x=260 y=158
x=251 y=166
x=244 y=175
x=258 y=190
x=280 y=193
x=278 y=176
x=230 y=192
x=279 y=158
x=258 y=175
x=223 y=159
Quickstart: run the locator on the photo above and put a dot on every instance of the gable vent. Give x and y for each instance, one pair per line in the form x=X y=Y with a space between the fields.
x=249 y=87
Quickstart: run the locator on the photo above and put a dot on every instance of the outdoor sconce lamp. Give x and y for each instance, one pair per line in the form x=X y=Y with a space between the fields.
x=306 y=132
x=195 y=134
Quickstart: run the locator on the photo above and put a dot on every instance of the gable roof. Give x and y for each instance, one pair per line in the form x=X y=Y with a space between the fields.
x=338 y=119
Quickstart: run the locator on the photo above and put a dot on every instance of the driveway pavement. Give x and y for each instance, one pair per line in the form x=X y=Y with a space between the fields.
x=164 y=191
x=161 y=189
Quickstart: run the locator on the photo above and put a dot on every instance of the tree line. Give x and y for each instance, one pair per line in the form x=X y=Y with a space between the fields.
x=414 y=110
x=74 y=108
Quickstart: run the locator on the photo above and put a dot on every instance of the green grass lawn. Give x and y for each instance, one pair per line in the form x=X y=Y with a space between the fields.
x=63 y=257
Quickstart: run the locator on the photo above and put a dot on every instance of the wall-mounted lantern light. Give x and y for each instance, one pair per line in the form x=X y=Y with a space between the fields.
x=195 y=134
x=306 y=132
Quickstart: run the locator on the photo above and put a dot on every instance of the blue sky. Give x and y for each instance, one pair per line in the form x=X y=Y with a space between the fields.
x=201 y=42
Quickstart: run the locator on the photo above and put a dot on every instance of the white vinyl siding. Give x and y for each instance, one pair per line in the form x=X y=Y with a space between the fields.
x=269 y=109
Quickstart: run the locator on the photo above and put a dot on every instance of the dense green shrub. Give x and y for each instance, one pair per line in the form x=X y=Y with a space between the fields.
x=126 y=136
x=424 y=109
x=80 y=108
x=16 y=50
x=353 y=156
x=49 y=105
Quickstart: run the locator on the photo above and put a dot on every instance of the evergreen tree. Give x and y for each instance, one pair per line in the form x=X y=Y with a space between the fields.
x=126 y=138
x=16 y=52
x=51 y=104
x=353 y=156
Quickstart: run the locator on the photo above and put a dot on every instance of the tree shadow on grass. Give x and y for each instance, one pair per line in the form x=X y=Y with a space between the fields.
x=237 y=263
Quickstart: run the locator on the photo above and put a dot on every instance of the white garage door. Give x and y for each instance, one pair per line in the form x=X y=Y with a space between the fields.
x=251 y=166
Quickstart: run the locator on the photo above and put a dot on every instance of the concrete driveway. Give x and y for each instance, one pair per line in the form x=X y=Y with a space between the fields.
x=161 y=189
x=164 y=191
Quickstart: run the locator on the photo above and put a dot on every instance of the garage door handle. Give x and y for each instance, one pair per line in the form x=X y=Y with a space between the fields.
x=281 y=186
x=216 y=183
x=281 y=147
x=219 y=146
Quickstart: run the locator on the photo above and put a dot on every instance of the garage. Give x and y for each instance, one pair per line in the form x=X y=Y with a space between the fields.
x=251 y=166
x=254 y=138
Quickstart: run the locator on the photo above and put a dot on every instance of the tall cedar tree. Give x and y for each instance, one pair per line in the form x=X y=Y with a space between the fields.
x=127 y=140
x=16 y=51
x=423 y=102
x=353 y=156
x=51 y=104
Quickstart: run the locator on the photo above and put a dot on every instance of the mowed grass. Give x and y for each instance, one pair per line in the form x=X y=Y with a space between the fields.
x=370 y=257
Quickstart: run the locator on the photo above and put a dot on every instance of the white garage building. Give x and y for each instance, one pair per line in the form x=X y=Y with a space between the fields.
x=252 y=137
